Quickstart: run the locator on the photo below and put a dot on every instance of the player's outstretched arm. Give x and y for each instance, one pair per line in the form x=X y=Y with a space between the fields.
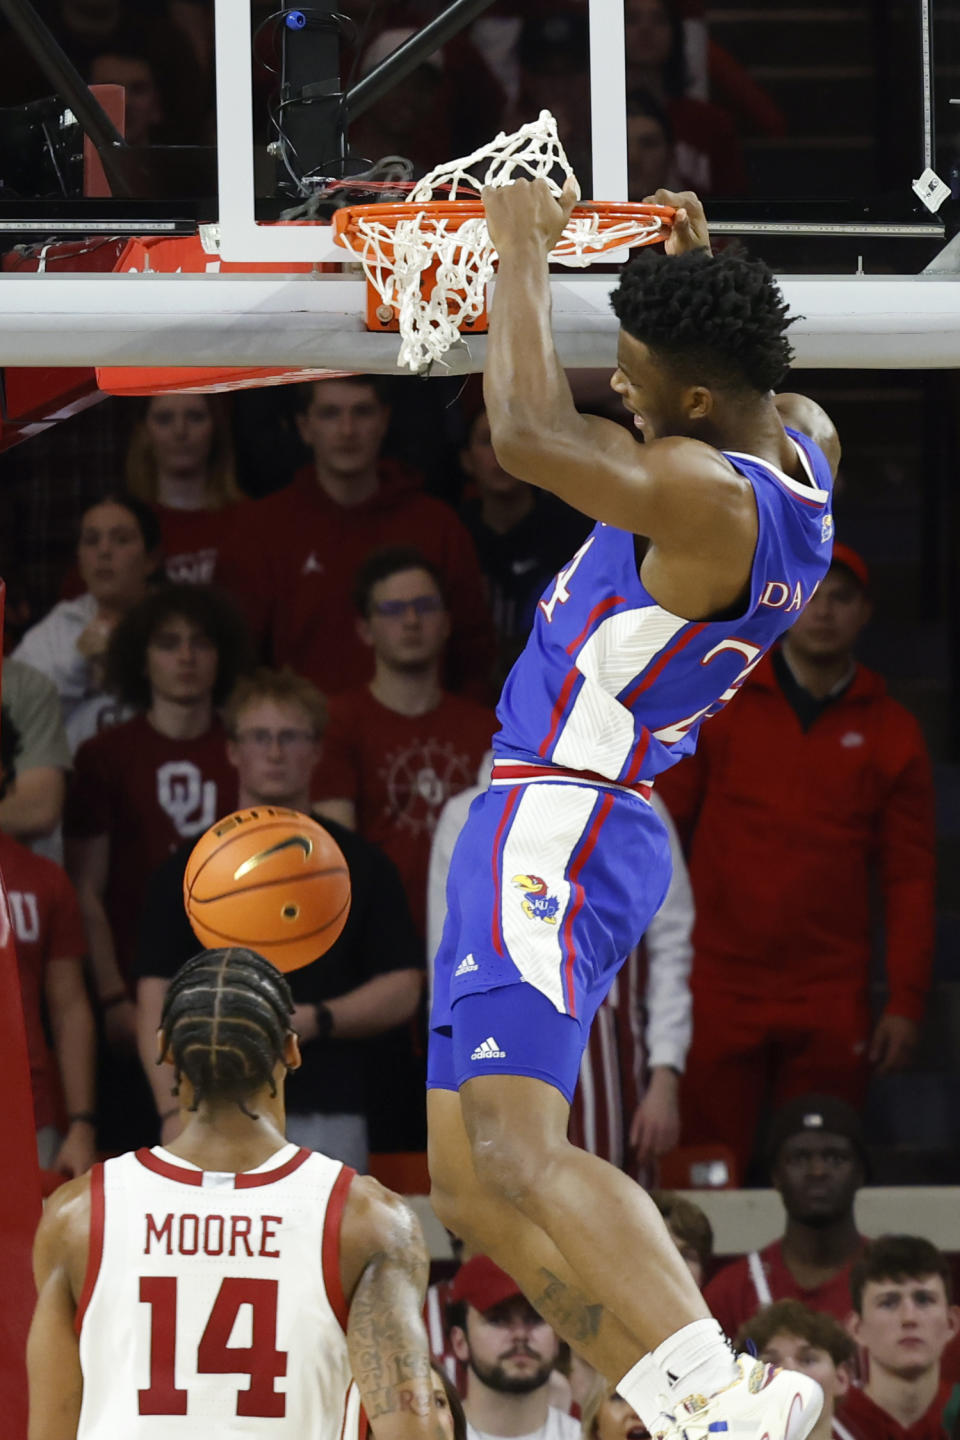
x=384 y=1267
x=678 y=492
x=53 y=1355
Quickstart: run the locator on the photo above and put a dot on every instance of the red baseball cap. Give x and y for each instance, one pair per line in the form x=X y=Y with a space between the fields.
x=844 y=555
x=482 y=1284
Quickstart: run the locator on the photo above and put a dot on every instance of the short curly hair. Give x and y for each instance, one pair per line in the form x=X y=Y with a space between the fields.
x=210 y=610
x=717 y=320
x=792 y=1317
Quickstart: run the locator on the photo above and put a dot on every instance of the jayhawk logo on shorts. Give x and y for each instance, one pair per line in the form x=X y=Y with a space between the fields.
x=536 y=903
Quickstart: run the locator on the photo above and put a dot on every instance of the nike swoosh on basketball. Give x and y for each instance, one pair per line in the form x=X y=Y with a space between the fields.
x=292 y=842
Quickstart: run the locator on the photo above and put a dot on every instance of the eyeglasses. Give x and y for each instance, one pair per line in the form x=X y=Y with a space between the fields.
x=263 y=738
x=420 y=605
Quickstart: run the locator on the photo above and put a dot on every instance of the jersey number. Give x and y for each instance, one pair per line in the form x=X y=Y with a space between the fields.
x=261 y=1360
x=561 y=594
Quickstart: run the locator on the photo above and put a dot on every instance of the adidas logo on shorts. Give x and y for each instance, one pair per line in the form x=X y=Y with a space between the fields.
x=488 y=1050
x=466 y=966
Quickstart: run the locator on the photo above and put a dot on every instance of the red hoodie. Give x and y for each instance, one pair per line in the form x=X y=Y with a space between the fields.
x=786 y=828
x=290 y=562
x=860 y=1418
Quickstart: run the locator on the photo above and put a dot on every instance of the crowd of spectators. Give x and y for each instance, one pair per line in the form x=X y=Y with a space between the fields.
x=338 y=646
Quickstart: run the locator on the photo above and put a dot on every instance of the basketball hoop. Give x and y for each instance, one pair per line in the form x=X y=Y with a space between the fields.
x=427 y=261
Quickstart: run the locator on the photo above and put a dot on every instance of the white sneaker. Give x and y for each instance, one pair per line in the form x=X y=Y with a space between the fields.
x=764 y=1404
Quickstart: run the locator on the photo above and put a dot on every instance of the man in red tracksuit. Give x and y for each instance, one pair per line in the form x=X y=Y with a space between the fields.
x=810 y=786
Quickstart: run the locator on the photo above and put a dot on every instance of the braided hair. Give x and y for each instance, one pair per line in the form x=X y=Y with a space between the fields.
x=718 y=320
x=226 y=1018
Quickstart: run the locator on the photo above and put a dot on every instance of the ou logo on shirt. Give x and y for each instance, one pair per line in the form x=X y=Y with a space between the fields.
x=25 y=913
x=189 y=800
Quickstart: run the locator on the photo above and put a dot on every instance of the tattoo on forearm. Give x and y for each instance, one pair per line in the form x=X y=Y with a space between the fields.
x=388 y=1347
x=568 y=1310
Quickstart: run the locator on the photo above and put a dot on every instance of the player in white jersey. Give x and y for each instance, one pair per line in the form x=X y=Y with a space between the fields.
x=704 y=535
x=231 y=1284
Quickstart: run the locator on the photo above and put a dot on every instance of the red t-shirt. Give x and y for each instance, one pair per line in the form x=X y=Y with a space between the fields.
x=862 y=1419
x=147 y=794
x=734 y=1296
x=191 y=541
x=400 y=771
x=47 y=925
x=290 y=563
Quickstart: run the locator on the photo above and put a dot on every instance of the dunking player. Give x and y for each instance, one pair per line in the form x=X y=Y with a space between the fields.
x=232 y=1282
x=710 y=538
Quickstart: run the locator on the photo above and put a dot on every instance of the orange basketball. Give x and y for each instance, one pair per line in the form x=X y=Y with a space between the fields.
x=271 y=879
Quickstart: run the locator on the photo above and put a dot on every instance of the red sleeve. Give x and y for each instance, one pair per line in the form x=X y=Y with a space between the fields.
x=67 y=938
x=337 y=777
x=472 y=648
x=907 y=842
x=87 y=811
x=731 y=1297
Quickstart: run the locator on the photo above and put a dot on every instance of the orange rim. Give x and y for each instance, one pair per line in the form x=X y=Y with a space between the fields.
x=609 y=212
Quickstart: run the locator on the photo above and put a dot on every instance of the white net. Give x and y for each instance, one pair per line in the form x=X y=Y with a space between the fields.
x=396 y=254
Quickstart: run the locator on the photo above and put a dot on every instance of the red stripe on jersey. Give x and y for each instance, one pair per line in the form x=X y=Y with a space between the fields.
x=505 y=819
x=503 y=770
x=246 y=1180
x=560 y=704
x=595 y=614
x=330 y=1247
x=639 y=755
x=665 y=659
x=94 y=1244
x=583 y=856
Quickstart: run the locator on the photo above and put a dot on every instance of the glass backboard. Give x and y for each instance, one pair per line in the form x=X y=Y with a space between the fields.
x=812 y=116
x=808 y=131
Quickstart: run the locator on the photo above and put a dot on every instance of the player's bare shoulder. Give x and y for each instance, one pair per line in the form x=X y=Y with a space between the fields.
x=378 y=1227
x=63 y=1235
x=803 y=414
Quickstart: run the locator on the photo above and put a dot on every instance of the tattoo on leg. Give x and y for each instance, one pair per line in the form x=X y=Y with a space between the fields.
x=568 y=1310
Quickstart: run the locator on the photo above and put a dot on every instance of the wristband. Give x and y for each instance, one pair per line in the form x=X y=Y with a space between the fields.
x=324 y=1020
x=111 y=1000
x=83 y=1117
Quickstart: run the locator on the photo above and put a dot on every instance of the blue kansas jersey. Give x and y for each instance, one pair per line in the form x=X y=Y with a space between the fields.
x=611 y=684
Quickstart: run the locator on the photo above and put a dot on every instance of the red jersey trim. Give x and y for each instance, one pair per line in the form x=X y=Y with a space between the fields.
x=330 y=1246
x=506 y=772
x=247 y=1180
x=243 y=1180
x=95 y=1244
x=170 y=1172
